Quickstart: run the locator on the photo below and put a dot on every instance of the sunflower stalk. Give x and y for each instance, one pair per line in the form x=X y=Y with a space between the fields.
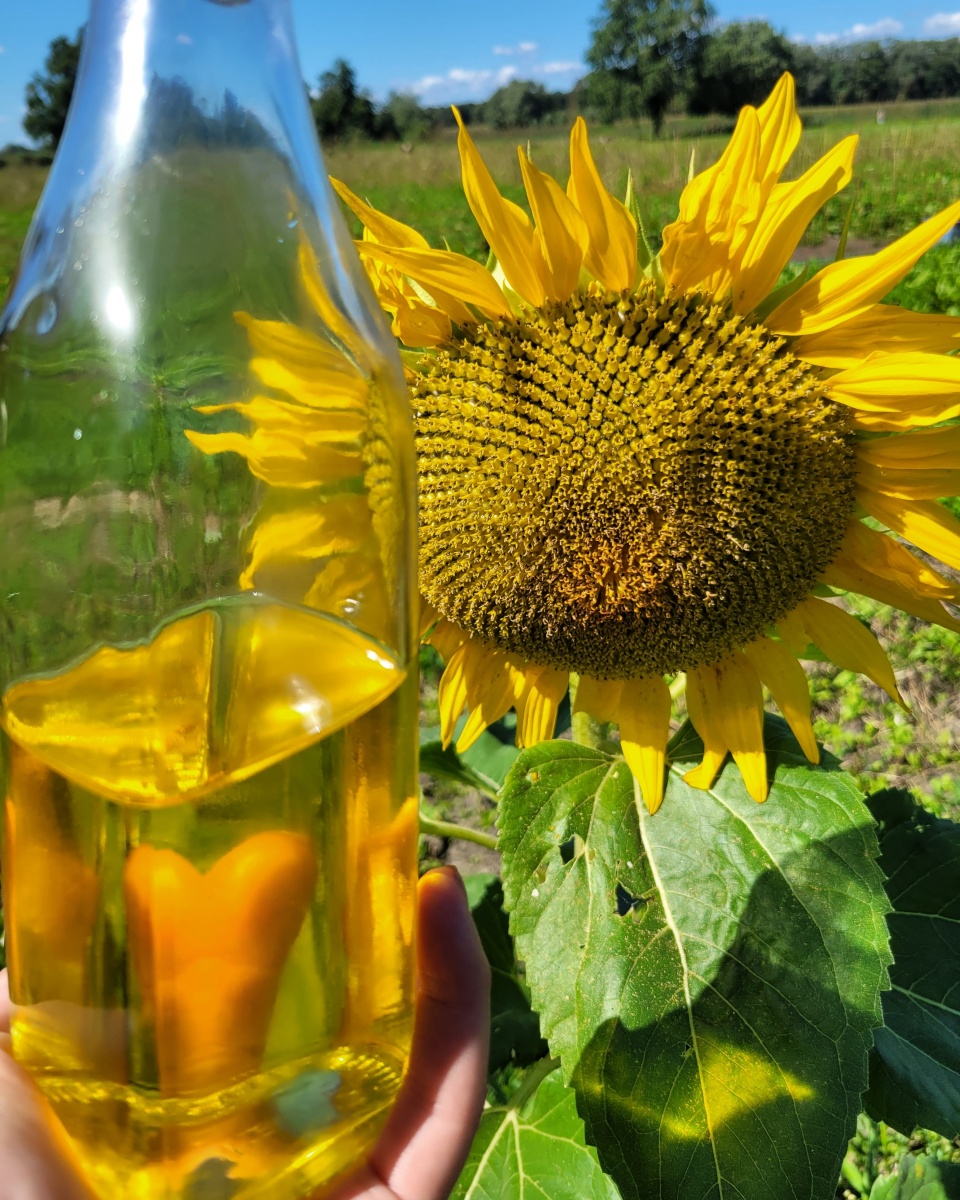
x=448 y=829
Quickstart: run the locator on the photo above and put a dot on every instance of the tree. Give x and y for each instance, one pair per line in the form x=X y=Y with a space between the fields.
x=738 y=65
x=49 y=95
x=522 y=103
x=649 y=44
x=340 y=109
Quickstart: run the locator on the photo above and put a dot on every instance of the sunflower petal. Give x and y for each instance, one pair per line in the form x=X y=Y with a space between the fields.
x=793 y=633
x=491 y=687
x=505 y=226
x=857 y=577
x=717 y=211
x=644 y=732
x=925 y=523
x=445 y=271
x=452 y=691
x=446 y=638
x=849 y=644
x=704 y=720
x=611 y=255
x=561 y=231
x=868 y=549
x=781 y=226
x=598 y=697
x=907 y=484
x=779 y=129
x=881 y=327
x=787 y=682
x=739 y=701
x=844 y=289
x=538 y=696
x=899 y=383
x=924 y=450
x=386 y=230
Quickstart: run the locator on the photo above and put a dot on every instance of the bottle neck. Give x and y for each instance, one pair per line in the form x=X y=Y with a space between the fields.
x=157 y=73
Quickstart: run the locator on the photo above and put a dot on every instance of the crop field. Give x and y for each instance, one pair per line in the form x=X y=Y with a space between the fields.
x=907 y=169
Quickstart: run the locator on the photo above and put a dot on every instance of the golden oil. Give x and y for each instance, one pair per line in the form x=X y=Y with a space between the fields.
x=210 y=863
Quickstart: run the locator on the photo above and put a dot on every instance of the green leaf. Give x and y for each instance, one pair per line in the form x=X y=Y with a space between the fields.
x=484 y=766
x=919 y=1179
x=915 y=1069
x=538 y=1152
x=709 y=976
x=514 y=1027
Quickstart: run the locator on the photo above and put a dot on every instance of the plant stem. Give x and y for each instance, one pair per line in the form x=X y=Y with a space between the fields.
x=532 y=1080
x=447 y=829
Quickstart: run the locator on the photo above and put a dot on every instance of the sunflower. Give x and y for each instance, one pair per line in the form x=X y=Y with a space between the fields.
x=636 y=467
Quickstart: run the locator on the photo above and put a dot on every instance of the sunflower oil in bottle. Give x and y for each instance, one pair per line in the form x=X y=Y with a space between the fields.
x=211 y=900
x=208 y=690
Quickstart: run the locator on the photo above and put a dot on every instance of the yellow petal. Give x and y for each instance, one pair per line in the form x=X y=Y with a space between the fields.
x=786 y=681
x=733 y=686
x=452 y=690
x=611 y=255
x=853 y=576
x=448 y=272
x=868 y=549
x=504 y=225
x=910 y=484
x=849 y=644
x=925 y=523
x=703 y=717
x=539 y=692
x=718 y=209
x=447 y=638
x=598 y=697
x=328 y=310
x=781 y=226
x=561 y=231
x=387 y=230
x=881 y=327
x=924 y=450
x=793 y=633
x=843 y=289
x=644 y=732
x=314 y=531
x=779 y=129
x=900 y=383
x=491 y=687
x=317 y=365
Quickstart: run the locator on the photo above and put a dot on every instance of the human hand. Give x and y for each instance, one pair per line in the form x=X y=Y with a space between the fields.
x=428 y=1134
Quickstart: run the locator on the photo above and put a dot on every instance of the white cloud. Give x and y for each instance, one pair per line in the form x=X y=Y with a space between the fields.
x=884 y=28
x=461 y=84
x=519 y=48
x=3 y=49
x=942 y=24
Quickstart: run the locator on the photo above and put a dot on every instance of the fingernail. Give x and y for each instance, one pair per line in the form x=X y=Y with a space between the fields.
x=452 y=873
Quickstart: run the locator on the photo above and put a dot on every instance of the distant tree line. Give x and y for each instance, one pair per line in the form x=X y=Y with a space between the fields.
x=648 y=58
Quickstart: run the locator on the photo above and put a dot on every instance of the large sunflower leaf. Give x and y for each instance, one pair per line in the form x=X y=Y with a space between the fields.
x=915 y=1068
x=536 y=1153
x=710 y=976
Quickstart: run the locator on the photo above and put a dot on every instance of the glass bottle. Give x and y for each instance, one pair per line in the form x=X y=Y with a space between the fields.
x=206 y=645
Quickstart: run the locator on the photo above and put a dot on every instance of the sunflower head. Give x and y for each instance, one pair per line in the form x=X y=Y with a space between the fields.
x=636 y=466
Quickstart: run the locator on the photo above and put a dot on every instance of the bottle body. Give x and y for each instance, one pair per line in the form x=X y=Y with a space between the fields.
x=209 y=704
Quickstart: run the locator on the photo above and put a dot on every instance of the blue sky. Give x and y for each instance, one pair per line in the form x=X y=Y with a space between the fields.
x=449 y=52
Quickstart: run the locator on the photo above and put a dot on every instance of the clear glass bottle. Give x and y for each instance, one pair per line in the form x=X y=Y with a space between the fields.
x=206 y=646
